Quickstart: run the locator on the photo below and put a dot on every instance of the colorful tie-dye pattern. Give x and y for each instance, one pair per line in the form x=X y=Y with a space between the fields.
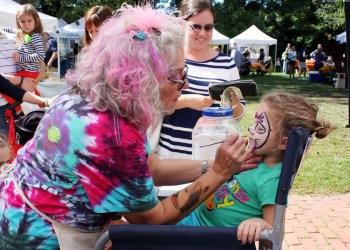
x=81 y=167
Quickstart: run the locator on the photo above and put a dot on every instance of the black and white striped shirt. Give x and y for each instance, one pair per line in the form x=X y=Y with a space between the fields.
x=176 y=132
x=31 y=53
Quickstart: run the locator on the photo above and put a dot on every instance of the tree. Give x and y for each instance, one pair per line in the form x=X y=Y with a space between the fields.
x=305 y=22
x=72 y=10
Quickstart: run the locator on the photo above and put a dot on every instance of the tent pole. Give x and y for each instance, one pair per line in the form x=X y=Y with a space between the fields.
x=58 y=52
x=274 y=64
x=347 y=28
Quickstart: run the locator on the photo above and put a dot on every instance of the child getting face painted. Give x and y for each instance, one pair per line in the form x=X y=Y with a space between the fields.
x=248 y=199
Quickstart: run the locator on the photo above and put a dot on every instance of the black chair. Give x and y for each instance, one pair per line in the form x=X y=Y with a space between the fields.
x=170 y=237
x=299 y=141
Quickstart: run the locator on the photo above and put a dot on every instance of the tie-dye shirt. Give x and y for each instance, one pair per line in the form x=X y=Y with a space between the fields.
x=81 y=167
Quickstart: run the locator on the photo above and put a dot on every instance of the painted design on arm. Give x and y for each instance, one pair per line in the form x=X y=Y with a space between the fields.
x=194 y=194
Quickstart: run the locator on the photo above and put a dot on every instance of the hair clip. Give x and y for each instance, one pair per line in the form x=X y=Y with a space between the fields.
x=140 y=35
x=27 y=38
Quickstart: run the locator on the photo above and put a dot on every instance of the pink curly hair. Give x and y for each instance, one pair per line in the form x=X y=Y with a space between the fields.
x=122 y=72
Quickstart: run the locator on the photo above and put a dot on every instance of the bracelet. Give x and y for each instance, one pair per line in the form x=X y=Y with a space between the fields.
x=45 y=102
x=20 y=83
x=205 y=166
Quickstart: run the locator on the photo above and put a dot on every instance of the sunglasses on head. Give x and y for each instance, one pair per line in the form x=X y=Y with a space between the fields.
x=181 y=82
x=198 y=27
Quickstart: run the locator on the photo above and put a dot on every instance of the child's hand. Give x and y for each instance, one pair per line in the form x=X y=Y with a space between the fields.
x=249 y=230
x=15 y=56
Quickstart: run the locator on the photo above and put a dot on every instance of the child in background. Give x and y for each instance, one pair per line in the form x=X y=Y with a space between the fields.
x=94 y=17
x=248 y=199
x=31 y=49
x=278 y=64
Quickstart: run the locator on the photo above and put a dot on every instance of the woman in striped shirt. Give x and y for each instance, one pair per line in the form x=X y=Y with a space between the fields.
x=205 y=65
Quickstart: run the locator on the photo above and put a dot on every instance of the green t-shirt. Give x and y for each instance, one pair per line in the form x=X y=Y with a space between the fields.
x=241 y=198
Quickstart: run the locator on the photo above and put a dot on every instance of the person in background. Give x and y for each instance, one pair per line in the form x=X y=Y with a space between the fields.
x=237 y=56
x=261 y=58
x=278 y=64
x=8 y=68
x=203 y=65
x=31 y=52
x=94 y=17
x=285 y=59
x=319 y=56
x=89 y=159
x=292 y=58
x=302 y=56
x=247 y=200
x=246 y=53
x=51 y=55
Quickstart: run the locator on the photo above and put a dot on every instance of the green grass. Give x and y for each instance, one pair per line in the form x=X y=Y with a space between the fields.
x=326 y=168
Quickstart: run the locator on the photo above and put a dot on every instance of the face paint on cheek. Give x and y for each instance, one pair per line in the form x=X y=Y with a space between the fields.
x=263 y=125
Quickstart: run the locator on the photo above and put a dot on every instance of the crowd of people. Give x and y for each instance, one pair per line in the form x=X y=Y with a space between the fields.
x=141 y=74
x=303 y=61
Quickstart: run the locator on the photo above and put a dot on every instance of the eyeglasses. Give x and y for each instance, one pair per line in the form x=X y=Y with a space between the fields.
x=184 y=78
x=198 y=27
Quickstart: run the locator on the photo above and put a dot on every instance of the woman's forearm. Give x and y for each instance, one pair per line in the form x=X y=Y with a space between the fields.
x=166 y=172
x=16 y=80
x=34 y=99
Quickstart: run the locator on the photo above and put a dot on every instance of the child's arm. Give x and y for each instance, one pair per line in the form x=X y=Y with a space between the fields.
x=249 y=230
x=41 y=72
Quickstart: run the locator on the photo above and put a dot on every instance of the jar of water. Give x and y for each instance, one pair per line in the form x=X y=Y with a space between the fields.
x=211 y=130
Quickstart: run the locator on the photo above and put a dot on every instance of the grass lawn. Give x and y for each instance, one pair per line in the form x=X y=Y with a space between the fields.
x=326 y=169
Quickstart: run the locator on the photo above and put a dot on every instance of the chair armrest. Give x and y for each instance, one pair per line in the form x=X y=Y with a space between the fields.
x=101 y=241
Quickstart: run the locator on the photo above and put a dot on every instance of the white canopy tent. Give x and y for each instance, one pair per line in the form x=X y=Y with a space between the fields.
x=61 y=23
x=254 y=38
x=73 y=30
x=341 y=37
x=8 y=12
x=219 y=38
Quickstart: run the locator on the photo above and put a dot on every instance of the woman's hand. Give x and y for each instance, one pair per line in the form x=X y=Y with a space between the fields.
x=50 y=100
x=249 y=230
x=194 y=101
x=251 y=162
x=231 y=156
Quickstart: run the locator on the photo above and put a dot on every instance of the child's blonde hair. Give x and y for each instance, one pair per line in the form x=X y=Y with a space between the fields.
x=29 y=9
x=294 y=111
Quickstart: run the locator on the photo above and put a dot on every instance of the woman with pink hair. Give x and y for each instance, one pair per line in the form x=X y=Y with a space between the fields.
x=89 y=159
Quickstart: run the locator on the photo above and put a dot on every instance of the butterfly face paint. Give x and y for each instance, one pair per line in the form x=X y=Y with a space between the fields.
x=260 y=130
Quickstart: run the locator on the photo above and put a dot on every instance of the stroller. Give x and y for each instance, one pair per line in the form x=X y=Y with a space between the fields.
x=22 y=129
x=244 y=70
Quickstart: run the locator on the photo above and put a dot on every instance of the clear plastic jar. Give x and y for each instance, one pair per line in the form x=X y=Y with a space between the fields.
x=211 y=130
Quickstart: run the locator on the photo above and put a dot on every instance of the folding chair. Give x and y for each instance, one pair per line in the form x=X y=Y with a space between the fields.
x=171 y=237
x=299 y=141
